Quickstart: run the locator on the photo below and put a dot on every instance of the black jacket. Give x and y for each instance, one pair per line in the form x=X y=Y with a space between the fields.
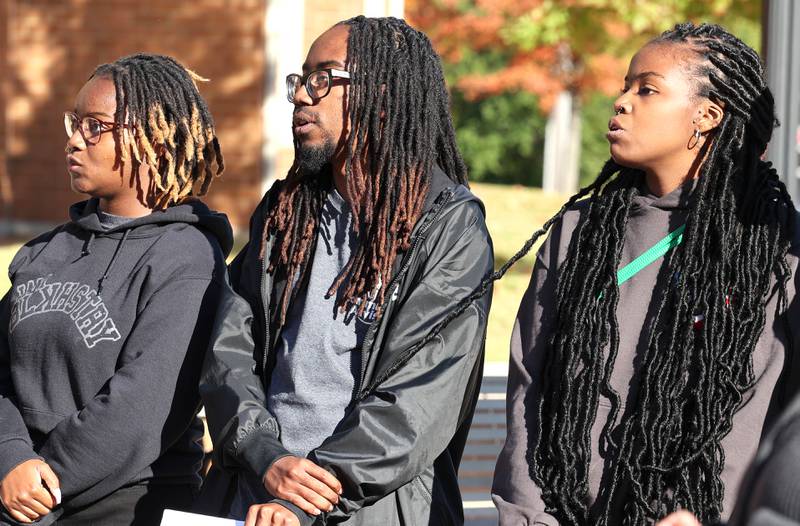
x=397 y=451
x=770 y=492
x=102 y=338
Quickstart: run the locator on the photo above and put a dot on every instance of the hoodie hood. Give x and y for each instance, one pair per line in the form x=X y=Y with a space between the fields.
x=84 y=215
x=678 y=199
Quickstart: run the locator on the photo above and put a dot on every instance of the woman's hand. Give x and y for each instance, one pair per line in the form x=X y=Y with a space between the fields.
x=679 y=518
x=270 y=515
x=303 y=483
x=23 y=492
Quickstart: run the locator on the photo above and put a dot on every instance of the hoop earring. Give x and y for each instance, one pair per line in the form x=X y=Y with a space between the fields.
x=694 y=139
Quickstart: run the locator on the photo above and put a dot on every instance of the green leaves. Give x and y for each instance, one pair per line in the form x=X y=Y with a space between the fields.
x=501 y=137
x=545 y=25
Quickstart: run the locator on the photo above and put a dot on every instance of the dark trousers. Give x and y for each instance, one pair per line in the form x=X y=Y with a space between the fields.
x=140 y=505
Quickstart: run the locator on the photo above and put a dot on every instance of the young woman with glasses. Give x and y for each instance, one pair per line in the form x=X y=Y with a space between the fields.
x=105 y=327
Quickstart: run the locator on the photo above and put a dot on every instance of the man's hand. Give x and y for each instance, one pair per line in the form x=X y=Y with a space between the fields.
x=303 y=483
x=270 y=515
x=679 y=518
x=23 y=494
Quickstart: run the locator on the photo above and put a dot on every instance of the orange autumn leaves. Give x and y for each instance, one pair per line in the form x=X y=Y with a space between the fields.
x=536 y=37
x=548 y=46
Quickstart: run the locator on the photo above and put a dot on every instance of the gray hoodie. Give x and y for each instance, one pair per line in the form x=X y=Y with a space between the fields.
x=515 y=494
x=102 y=336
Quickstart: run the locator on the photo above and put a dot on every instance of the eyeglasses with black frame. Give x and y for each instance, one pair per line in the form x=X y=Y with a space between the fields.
x=91 y=128
x=317 y=83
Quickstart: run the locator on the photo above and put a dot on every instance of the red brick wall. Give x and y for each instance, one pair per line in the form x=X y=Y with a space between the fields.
x=53 y=45
x=5 y=187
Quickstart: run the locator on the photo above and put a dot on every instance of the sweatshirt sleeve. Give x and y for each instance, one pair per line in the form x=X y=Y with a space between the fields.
x=409 y=416
x=245 y=434
x=517 y=497
x=15 y=442
x=147 y=404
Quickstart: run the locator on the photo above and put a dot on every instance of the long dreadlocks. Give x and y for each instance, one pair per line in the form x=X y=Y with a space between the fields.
x=172 y=129
x=669 y=452
x=398 y=108
x=692 y=383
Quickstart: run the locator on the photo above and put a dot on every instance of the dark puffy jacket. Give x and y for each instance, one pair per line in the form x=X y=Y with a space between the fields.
x=770 y=492
x=397 y=450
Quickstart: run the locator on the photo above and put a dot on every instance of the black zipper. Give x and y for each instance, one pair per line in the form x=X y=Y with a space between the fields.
x=447 y=195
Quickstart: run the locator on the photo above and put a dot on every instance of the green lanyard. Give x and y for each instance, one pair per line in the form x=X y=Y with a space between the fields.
x=672 y=240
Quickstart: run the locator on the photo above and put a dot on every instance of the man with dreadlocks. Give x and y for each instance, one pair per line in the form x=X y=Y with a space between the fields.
x=327 y=399
x=654 y=345
x=104 y=330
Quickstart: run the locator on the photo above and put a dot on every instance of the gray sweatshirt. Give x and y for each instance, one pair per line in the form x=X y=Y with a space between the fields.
x=102 y=336
x=317 y=356
x=515 y=494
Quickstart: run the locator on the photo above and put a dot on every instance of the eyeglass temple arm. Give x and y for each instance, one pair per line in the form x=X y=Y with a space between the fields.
x=340 y=73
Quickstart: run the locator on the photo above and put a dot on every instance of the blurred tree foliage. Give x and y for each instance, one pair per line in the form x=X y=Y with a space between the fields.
x=501 y=137
x=595 y=113
x=507 y=60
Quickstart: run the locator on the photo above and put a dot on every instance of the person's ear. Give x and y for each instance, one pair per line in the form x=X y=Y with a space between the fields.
x=709 y=116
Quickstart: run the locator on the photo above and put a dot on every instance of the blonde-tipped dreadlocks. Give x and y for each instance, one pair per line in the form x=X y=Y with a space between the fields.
x=171 y=127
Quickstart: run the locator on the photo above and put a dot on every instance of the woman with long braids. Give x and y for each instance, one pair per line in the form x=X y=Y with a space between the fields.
x=653 y=345
x=104 y=330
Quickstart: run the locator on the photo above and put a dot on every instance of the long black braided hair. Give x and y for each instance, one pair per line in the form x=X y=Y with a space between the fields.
x=738 y=232
x=398 y=107
x=167 y=124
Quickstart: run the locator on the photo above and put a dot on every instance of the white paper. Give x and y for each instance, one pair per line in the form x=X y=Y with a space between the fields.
x=181 y=518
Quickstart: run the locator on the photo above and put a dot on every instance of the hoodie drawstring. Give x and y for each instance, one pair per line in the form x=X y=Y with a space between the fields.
x=113 y=259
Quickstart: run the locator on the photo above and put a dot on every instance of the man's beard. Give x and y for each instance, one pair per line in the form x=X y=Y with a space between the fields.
x=312 y=159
